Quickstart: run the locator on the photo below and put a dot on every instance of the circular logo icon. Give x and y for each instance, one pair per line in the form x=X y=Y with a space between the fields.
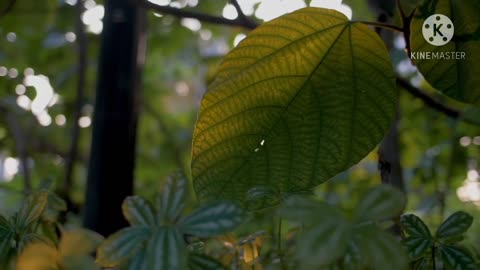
x=438 y=29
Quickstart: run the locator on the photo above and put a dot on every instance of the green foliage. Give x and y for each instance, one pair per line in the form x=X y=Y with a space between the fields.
x=73 y=252
x=23 y=228
x=155 y=240
x=329 y=237
x=293 y=106
x=425 y=249
x=455 y=78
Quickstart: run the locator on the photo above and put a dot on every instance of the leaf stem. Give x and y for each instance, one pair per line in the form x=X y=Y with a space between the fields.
x=279 y=244
x=383 y=25
x=434 y=267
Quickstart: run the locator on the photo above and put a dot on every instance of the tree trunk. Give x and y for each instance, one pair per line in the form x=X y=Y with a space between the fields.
x=112 y=155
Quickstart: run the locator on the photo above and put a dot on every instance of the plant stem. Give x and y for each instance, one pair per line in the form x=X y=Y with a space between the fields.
x=383 y=25
x=279 y=245
x=434 y=267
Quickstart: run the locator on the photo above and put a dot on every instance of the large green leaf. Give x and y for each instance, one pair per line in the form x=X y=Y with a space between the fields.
x=138 y=211
x=455 y=225
x=456 y=78
x=380 y=203
x=457 y=258
x=121 y=246
x=323 y=243
x=171 y=201
x=212 y=219
x=305 y=210
x=166 y=250
x=292 y=106
x=379 y=249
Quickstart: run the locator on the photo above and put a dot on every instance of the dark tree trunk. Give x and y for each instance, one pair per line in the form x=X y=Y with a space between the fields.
x=112 y=155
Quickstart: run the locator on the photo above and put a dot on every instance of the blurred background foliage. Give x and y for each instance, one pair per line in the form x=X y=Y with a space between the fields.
x=38 y=73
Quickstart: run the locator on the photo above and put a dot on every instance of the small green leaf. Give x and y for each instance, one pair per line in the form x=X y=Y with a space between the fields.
x=323 y=243
x=138 y=211
x=54 y=206
x=457 y=258
x=414 y=226
x=380 y=249
x=204 y=262
x=31 y=210
x=302 y=209
x=166 y=250
x=79 y=242
x=121 y=246
x=56 y=203
x=455 y=225
x=380 y=203
x=170 y=202
x=417 y=246
x=212 y=219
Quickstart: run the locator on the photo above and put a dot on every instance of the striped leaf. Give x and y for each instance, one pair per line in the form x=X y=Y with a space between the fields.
x=138 y=211
x=292 y=106
x=417 y=246
x=137 y=261
x=414 y=226
x=171 y=202
x=121 y=246
x=455 y=225
x=457 y=258
x=380 y=203
x=166 y=250
x=204 y=262
x=212 y=219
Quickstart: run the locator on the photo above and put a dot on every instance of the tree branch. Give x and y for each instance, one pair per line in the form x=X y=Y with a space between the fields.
x=8 y=8
x=182 y=13
x=428 y=100
x=82 y=66
x=241 y=15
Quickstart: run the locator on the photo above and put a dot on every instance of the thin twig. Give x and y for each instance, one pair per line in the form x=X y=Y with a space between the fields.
x=82 y=66
x=182 y=13
x=383 y=25
x=400 y=9
x=428 y=100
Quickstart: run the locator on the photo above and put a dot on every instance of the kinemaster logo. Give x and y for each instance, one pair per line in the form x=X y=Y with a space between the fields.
x=438 y=30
